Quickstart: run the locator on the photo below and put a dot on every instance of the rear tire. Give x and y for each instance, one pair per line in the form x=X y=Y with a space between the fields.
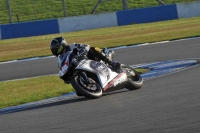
x=135 y=81
x=90 y=91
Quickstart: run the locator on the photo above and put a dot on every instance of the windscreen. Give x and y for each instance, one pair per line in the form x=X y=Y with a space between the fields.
x=63 y=62
x=62 y=58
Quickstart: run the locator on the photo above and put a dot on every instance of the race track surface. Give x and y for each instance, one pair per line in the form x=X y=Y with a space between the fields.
x=165 y=104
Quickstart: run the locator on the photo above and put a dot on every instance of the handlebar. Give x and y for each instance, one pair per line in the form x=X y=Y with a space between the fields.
x=80 y=55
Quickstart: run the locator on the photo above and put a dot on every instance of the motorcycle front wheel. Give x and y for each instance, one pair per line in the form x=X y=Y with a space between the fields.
x=91 y=90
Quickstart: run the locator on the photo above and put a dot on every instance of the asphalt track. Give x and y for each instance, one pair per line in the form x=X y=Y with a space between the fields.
x=165 y=104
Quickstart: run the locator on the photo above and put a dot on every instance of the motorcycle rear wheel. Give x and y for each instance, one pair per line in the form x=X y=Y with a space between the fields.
x=92 y=91
x=135 y=81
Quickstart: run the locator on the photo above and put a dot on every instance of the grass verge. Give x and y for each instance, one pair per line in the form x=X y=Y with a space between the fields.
x=12 y=49
x=23 y=91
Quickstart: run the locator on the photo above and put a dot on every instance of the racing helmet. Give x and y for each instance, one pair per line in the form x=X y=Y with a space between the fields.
x=57 y=45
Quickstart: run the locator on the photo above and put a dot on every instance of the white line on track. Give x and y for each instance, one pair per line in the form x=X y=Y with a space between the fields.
x=136 y=45
x=29 y=59
x=29 y=78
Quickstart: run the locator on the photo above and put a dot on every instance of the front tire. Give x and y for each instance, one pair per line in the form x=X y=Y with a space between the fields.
x=88 y=90
x=135 y=81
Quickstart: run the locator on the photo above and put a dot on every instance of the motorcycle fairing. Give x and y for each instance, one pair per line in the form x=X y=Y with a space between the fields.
x=63 y=63
x=100 y=68
x=97 y=67
x=117 y=80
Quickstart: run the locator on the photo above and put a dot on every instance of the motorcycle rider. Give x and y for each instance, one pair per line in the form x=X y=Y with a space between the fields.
x=59 y=47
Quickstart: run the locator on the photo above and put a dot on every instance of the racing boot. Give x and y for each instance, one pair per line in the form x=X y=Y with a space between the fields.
x=108 y=56
x=108 y=53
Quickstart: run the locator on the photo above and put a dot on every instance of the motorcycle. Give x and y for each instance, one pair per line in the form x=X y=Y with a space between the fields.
x=93 y=78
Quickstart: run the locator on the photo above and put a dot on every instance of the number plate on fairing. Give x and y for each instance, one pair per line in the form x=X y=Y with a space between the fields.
x=100 y=68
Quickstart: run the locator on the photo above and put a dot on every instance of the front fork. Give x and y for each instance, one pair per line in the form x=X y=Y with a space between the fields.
x=84 y=77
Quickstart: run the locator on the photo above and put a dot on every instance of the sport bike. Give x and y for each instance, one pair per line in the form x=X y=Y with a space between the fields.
x=92 y=78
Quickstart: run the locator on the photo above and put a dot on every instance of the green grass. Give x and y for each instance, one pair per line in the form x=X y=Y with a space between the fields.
x=23 y=91
x=34 y=89
x=19 y=48
x=29 y=10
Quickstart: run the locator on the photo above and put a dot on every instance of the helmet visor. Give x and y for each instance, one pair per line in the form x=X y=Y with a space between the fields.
x=60 y=49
